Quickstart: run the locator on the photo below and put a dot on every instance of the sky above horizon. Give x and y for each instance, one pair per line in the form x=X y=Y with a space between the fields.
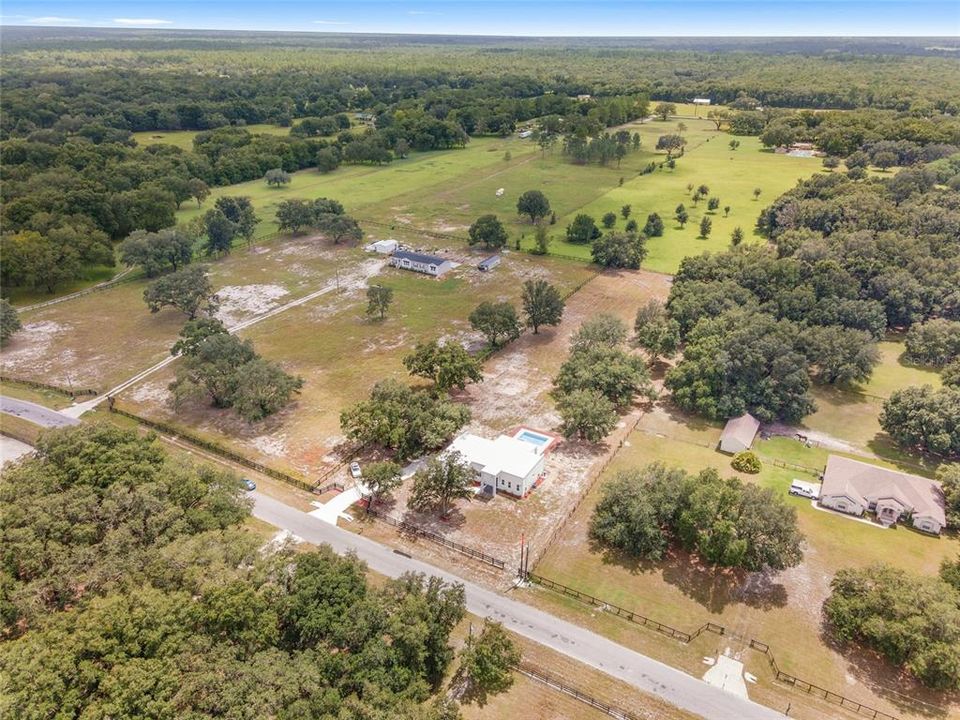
x=505 y=17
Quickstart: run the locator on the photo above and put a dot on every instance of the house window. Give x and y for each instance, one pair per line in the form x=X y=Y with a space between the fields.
x=841 y=506
x=433 y=268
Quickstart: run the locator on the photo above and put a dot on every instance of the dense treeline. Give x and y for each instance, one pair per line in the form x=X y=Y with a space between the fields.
x=725 y=521
x=129 y=589
x=793 y=73
x=912 y=620
x=847 y=260
x=70 y=169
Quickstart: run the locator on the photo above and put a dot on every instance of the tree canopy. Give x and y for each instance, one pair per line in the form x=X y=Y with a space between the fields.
x=913 y=620
x=726 y=522
x=404 y=420
x=131 y=590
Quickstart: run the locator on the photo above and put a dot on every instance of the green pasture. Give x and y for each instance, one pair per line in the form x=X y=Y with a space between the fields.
x=359 y=187
x=731 y=176
x=445 y=191
x=183 y=139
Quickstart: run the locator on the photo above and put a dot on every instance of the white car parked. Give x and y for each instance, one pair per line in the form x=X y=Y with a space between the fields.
x=355 y=470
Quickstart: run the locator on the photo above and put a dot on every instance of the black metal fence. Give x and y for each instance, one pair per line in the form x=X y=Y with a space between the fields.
x=686 y=637
x=629 y=615
x=416 y=530
x=558 y=684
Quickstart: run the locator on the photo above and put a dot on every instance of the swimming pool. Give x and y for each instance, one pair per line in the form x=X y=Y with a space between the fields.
x=534 y=438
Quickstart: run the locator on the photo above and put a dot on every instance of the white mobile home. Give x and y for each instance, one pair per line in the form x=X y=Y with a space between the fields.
x=427 y=264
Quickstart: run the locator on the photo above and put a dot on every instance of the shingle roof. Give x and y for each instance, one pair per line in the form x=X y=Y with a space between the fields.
x=419 y=257
x=858 y=481
x=743 y=428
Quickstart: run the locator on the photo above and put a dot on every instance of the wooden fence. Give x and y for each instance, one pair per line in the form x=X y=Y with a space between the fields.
x=124 y=277
x=412 y=529
x=216 y=449
x=70 y=392
x=686 y=637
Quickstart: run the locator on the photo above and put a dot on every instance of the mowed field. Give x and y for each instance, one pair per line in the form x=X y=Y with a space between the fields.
x=445 y=191
x=183 y=139
x=359 y=187
x=782 y=609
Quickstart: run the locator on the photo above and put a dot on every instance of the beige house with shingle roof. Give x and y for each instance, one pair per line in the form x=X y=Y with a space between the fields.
x=855 y=487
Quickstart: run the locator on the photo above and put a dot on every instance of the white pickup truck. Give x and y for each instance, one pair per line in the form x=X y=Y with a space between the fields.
x=805 y=489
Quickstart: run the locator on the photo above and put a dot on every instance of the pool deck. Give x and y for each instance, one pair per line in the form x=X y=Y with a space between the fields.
x=552 y=439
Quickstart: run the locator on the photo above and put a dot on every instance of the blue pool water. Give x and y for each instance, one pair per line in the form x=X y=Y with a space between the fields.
x=532 y=438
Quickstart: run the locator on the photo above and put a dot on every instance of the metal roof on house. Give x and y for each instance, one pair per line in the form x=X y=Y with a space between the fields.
x=504 y=454
x=744 y=429
x=860 y=481
x=419 y=257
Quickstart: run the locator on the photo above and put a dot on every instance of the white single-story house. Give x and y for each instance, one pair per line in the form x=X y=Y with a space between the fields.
x=855 y=487
x=428 y=264
x=701 y=101
x=506 y=464
x=384 y=247
x=738 y=434
x=526 y=133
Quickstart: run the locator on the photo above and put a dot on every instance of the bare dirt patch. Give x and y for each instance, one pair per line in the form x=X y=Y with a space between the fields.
x=31 y=347
x=241 y=302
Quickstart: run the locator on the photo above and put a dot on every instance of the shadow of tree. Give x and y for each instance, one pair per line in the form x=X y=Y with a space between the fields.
x=885 y=680
x=713 y=588
x=432 y=520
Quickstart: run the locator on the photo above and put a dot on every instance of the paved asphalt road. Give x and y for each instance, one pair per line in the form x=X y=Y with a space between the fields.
x=642 y=672
x=37 y=414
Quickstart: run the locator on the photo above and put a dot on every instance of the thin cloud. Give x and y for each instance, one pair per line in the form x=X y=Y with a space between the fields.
x=422 y=12
x=330 y=22
x=142 y=21
x=52 y=20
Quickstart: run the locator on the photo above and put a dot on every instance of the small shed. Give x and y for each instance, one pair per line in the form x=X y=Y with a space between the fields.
x=701 y=101
x=526 y=133
x=738 y=434
x=489 y=264
x=384 y=247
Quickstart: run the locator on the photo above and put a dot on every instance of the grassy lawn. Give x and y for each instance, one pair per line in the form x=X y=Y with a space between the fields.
x=19 y=429
x=47 y=398
x=20 y=296
x=852 y=415
x=781 y=609
x=359 y=187
x=183 y=139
